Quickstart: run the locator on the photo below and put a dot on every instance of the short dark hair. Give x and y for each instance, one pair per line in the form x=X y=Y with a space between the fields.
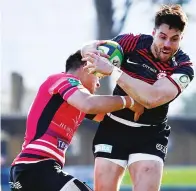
x=74 y=61
x=172 y=15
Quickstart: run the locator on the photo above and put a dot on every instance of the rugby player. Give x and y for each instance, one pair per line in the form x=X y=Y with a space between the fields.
x=155 y=72
x=60 y=105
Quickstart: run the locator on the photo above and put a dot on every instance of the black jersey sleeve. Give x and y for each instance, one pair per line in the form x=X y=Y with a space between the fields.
x=128 y=42
x=183 y=73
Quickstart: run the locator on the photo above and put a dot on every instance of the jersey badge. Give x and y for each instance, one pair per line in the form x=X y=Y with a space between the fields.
x=161 y=74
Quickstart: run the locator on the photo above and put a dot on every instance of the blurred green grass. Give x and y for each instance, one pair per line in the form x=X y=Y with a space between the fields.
x=172 y=176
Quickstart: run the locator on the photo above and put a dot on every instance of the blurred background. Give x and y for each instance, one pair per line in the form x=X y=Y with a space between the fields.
x=37 y=37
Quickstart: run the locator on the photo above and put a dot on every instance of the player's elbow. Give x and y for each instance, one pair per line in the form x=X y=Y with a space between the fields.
x=150 y=104
x=88 y=108
x=153 y=101
x=157 y=101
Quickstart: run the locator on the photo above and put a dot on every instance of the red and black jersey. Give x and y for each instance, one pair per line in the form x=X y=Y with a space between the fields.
x=140 y=63
x=51 y=121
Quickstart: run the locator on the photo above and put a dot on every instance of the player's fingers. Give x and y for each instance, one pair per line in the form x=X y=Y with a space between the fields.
x=96 y=52
x=92 y=54
x=104 y=55
x=100 y=42
x=136 y=116
x=89 y=66
x=91 y=71
x=88 y=59
x=99 y=53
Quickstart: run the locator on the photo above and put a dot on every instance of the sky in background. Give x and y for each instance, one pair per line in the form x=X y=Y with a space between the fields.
x=37 y=36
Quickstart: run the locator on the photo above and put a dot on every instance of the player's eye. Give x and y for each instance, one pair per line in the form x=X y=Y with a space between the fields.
x=163 y=37
x=174 y=39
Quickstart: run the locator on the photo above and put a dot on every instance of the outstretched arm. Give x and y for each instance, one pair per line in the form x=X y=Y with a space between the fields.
x=95 y=104
x=150 y=96
x=162 y=91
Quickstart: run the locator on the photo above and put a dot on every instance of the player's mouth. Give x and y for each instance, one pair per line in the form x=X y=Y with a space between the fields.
x=166 y=52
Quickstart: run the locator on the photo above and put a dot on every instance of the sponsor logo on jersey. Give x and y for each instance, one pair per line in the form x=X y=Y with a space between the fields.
x=130 y=62
x=62 y=144
x=161 y=148
x=103 y=148
x=161 y=74
x=143 y=65
x=73 y=82
x=149 y=68
x=15 y=185
x=182 y=80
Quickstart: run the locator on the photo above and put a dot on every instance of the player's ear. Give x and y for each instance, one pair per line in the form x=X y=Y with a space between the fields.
x=153 y=32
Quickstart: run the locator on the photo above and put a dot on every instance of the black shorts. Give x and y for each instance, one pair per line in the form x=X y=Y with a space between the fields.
x=42 y=176
x=114 y=140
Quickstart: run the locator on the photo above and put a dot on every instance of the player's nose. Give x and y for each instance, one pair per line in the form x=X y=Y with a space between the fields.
x=167 y=44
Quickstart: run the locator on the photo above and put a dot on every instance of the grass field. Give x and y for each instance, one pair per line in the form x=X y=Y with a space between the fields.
x=173 y=176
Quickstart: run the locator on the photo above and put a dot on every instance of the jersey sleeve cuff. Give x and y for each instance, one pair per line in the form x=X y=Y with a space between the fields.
x=177 y=86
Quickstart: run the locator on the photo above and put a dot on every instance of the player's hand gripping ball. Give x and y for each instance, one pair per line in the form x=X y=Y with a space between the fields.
x=114 y=51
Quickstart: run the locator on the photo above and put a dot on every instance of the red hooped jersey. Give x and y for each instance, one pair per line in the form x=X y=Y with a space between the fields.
x=51 y=121
x=140 y=63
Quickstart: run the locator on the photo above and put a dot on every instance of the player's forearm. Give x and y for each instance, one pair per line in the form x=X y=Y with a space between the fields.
x=103 y=104
x=142 y=92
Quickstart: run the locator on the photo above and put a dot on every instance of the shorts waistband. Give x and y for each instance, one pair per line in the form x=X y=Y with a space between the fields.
x=126 y=122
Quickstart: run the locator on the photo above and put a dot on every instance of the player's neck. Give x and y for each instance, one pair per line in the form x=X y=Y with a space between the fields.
x=75 y=73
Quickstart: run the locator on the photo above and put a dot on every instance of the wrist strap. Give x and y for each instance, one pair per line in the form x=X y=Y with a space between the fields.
x=116 y=73
x=124 y=101
x=132 y=102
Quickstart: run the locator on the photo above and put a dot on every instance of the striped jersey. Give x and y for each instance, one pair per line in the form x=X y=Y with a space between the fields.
x=51 y=121
x=140 y=63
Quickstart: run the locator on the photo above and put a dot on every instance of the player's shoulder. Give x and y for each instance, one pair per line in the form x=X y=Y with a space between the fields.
x=183 y=63
x=63 y=78
x=181 y=57
x=145 y=41
x=130 y=42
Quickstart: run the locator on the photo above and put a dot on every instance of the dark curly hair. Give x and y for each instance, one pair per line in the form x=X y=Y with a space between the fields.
x=172 y=15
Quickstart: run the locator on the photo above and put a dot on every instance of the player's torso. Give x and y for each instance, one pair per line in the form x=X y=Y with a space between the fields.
x=142 y=65
x=51 y=124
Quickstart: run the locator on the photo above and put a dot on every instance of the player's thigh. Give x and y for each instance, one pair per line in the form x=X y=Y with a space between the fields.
x=107 y=174
x=146 y=174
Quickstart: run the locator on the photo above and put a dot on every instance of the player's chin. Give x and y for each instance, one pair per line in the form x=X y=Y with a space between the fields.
x=165 y=57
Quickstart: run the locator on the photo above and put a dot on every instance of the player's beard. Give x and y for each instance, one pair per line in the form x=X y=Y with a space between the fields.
x=163 y=54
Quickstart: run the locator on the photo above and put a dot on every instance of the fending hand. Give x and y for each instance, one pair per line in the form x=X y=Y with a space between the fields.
x=92 y=47
x=138 y=109
x=97 y=63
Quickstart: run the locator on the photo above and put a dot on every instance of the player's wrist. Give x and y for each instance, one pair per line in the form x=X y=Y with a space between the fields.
x=124 y=101
x=129 y=102
x=116 y=73
x=132 y=102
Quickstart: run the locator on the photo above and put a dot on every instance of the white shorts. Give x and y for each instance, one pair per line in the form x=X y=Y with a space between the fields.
x=135 y=158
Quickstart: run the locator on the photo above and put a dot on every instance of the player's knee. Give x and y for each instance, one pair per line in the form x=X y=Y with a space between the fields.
x=147 y=168
x=153 y=167
x=105 y=185
x=104 y=181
